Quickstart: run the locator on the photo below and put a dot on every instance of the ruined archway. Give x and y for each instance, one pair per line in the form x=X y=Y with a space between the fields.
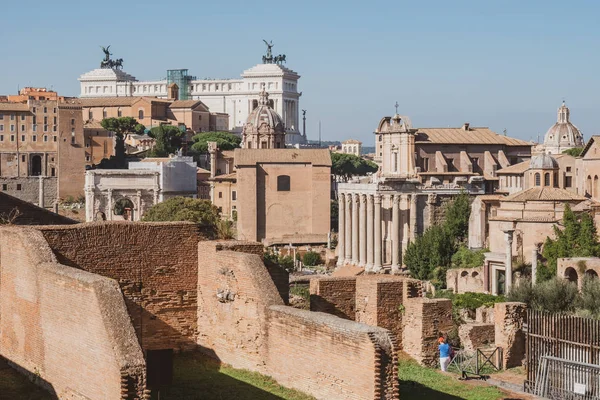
x=124 y=207
x=571 y=275
x=591 y=274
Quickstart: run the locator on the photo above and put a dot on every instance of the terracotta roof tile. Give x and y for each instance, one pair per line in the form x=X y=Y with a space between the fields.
x=14 y=107
x=544 y=194
x=460 y=136
x=305 y=156
x=515 y=169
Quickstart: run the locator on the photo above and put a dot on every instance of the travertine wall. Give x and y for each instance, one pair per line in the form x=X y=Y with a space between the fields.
x=28 y=213
x=68 y=329
x=424 y=321
x=509 y=319
x=336 y=296
x=462 y=280
x=242 y=321
x=156 y=265
x=27 y=188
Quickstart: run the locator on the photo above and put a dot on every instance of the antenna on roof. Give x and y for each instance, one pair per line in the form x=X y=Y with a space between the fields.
x=319 y=133
x=504 y=131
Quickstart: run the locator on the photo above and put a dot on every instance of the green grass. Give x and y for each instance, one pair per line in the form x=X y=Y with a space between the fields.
x=198 y=377
x=418 y=383
x=14 y=385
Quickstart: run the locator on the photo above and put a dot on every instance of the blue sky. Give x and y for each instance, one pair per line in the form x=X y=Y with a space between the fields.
x=503 y=64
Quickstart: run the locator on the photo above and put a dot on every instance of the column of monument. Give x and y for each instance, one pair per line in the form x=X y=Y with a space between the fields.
x=355 y=201
x=395 y=231
x=404 y=204
x=508 y=263
x=348 y=235
x=370 y=221
x=341 y=246
x=362 y=260
x=413 y=217
x=377 y=233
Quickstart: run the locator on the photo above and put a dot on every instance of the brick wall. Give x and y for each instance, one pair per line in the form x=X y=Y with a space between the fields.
x=29 y=213
x=424 y=321
x=509 y=319
x=336 y=296
x=243 y=322
x=156 y=265
x=67 y=329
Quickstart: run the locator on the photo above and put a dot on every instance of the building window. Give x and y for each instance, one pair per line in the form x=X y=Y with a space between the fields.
x=90 y=115
x=141 y=114
x=4 y=186
x=18 y=186
x=1 y=138
x=568 y=169
x=45 y=138
x=22 y=117
x=45 y=120
x=220 y=195
x=568 y=181
x=53 y=173
x=1 y=128
x=546 y=179
x=12 y=128
x=87 y=158
x=54 y=138
x=23 y=158
x=537 y=179
x=22 y=128
x=104 y=113
x=34 y=138
x=54 y=120
x=12 y=138
x=45 y=110
x=45 y=128
x=119 y=112
x=22 y=138
x=54 y=110
x=12 y=117
x=1 y=116
x=234 y=195
x=34 y=128
x=283 y=183
x=54 y=128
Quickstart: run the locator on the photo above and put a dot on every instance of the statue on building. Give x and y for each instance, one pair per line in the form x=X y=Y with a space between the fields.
x=107 y=62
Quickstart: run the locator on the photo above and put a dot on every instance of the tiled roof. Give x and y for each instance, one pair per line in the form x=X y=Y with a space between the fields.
x=293 y=156
x=544 y=194
x=187 y=104
x=589 y=144
x=461 y=136
x=231 y=176
x=93 y=124
x=514 y=169
x=14 y=107
x=352 y=141
x=108 y=101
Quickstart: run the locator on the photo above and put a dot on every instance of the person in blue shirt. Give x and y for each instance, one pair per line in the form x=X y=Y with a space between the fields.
x=445 y=352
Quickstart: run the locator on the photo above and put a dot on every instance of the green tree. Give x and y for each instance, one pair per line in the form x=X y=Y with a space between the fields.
x=344 y=166
x=578 y=238
x=168 y=138
x=120 y=127
x=311 y=258
x=575 y=151
x=457 y=215
x=467 y=258
x=202 y=212
x=334 y=215
x=429 y=251
x=225 y=141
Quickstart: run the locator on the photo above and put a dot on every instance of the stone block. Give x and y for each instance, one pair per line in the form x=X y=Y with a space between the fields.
x=484 y=315
x=509 y=319
x=475 y=336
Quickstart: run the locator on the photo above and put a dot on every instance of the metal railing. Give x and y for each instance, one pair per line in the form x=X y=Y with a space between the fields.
x=478 y=363
x=561 y=379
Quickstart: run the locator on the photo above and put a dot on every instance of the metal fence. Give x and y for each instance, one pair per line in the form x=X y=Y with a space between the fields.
x=562 y=356
x=479 y=362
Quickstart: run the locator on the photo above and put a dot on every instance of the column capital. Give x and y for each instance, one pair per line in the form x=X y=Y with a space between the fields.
x=404 y=197
x=363 y=198
x=348 y=198
x=377 y=198
x=395 y=199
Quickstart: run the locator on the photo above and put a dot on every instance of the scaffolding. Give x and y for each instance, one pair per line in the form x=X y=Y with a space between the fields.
x=181 y=78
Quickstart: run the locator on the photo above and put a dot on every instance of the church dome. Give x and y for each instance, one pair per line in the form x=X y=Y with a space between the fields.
x=264 y=127
x=543 y=161
x=563 y=134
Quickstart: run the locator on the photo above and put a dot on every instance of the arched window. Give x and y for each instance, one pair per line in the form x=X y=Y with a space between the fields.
x=141 y=114
x=588 y=185
x=283 y=183
x=547 y=179
x=555 y=179
x=537 y=179
x=104 y=113
x=595 y=187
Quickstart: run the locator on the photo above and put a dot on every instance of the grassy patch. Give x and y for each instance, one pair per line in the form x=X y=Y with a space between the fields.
x=14 y=385
x=418 y=383
x=198 y=377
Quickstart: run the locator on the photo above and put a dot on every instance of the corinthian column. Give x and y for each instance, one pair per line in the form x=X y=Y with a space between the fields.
x=363 y=231
x=413 y=217
x=348 y=235
x=508 y=263
x=377 y=234
x=404 y=213
x=395 y=232
x=369 y=265
x=341 y=228
x=355 y=248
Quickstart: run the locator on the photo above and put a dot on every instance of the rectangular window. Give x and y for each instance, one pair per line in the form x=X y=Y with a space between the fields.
x=45 y=120
x=22 y=128
x=53 y=172
x=54 y=120
x=4 y=186
x=568 y=169
x=12 y=128
x=54 y=128
x=54 y=111
x=23 y=158
x=73 y=121
x=45 y=110
x=34 y=120
x=34 y=128
x=45 y=128
x=18 y=186
x=45 y=138
x=12 y=138
x=12 y=117
x=54 y=138
x=1 y=128
x=33 y=109
x=220 y=195
x=283 y=183
x=34 y=137
x=1 y=116
x=1 y=138
x=87 y=158
x=234 y=195
x=87 y=144
x=22 y=138
x=568 y=181
x=119 y=113
x=22 y=117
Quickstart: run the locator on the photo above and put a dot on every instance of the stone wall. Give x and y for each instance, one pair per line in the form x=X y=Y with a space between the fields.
x=29 y=214
x=66 y=328
x=476 y=335
x=336 y=296
x=27 y=188
x=156 y=265
x=462 y=280
x=243 y=322
x=509 y=320
x=424 y=321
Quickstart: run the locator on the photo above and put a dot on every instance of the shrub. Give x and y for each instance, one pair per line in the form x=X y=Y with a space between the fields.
x=311 y=258
x=285 y=262
x=590 y=296
x=431 y=250
x=523 y=292
x=472 y=301
x=467 y=258
x=555 y=295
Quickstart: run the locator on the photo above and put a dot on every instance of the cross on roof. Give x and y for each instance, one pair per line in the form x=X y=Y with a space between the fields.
x=396 y=105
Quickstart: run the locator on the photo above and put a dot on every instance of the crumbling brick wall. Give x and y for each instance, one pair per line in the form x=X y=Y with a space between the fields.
x=476 y=335
x=67 y=329
x=509 y=319
x=336 y=296
x=156 y=265
x=243 y=322
x=424 y=321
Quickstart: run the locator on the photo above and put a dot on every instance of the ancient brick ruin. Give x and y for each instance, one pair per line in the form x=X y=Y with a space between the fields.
x=81 y=305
